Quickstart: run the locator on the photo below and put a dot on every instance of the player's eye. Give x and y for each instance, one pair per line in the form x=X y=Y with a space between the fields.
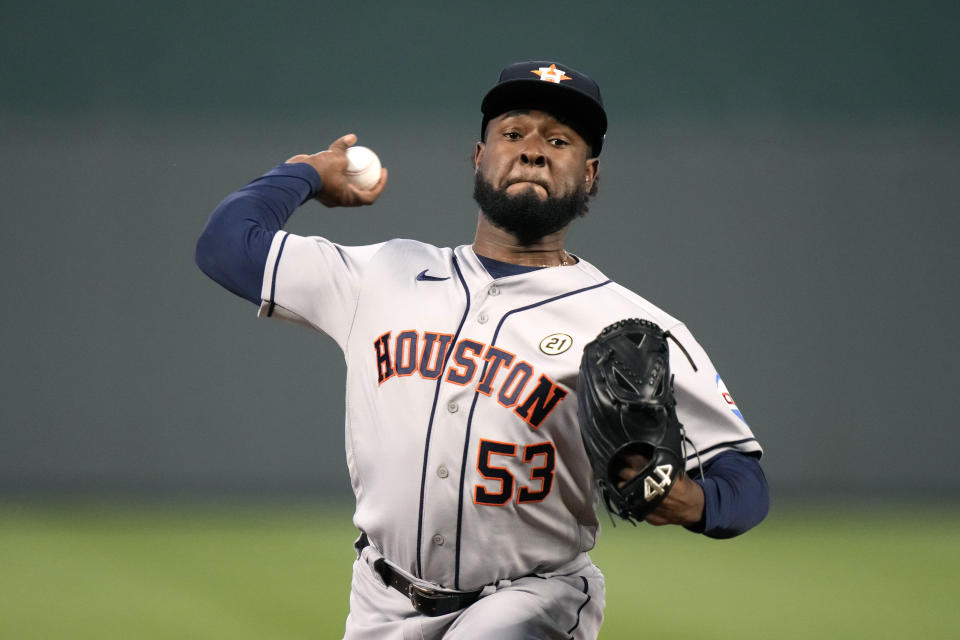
x=511 y=135
x=559 y=142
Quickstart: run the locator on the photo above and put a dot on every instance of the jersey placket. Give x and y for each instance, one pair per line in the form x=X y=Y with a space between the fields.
x=447 y=466
x=504 y=309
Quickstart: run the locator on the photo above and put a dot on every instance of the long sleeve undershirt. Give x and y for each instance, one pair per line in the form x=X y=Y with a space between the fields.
x=233 y=248
x=735 y=495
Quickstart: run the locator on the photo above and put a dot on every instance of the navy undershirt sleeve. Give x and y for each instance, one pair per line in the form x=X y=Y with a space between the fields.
x=736 y=496
x=233 y=247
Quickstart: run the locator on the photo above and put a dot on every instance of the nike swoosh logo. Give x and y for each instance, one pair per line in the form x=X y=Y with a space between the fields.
x=423 y=277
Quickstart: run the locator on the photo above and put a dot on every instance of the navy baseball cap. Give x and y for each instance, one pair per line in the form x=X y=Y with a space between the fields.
x=551 y=87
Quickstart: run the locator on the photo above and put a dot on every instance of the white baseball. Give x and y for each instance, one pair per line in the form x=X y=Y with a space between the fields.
x=363 y=167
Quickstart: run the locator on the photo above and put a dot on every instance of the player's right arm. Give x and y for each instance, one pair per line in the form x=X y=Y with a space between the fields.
x=235 y=243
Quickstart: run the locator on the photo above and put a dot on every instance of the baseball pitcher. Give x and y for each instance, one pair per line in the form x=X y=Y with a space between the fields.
x=497 y=391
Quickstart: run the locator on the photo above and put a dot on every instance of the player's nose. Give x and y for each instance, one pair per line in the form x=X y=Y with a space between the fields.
x=532 y=150
x=533 y=157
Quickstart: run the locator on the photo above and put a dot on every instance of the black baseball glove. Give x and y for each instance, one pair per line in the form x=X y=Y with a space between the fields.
x=627 y=409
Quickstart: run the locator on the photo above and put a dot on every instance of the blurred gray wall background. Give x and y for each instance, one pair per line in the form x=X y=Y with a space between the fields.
x=781 y=176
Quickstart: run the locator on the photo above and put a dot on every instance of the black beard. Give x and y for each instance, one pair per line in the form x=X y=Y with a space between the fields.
x=525 y=215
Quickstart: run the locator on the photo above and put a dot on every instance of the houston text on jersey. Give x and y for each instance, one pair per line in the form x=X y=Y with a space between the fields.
x=425 y=354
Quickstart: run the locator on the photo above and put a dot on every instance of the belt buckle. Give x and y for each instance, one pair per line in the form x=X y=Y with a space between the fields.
x=425 y=600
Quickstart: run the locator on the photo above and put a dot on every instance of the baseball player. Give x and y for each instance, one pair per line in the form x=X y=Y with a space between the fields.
x=474 y=495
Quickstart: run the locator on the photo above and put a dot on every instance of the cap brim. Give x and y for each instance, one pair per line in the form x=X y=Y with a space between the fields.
x=556 y=99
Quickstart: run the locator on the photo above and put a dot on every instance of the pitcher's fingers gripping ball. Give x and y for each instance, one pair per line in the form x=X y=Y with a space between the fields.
x=626 y=410
x=363 y=167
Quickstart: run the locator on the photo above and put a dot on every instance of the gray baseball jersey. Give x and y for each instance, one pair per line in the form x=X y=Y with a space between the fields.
x=462 y=439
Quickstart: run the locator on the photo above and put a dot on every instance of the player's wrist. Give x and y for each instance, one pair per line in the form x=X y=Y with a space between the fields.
x=301 y=169
x=695 y=511
x=696 y=518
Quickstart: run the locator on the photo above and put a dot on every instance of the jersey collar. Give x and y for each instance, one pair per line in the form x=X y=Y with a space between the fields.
x=549 y=280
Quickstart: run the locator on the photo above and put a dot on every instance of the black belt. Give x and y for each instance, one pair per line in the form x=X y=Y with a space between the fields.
x=429 y=602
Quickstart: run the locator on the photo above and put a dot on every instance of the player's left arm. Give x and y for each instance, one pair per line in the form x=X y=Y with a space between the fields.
x=730 y=498
x=736 y=495
x=728 y=494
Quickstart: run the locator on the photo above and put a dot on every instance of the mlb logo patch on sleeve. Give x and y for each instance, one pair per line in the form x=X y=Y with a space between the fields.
x=722 y=388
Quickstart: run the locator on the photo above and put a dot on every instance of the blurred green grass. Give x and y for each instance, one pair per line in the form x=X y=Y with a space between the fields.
x=284 y=572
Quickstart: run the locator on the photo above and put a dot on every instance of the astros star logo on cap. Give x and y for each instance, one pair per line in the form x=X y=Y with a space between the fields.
x=551 y=74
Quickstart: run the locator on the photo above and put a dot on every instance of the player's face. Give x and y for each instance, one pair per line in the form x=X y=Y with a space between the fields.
x=531 y=151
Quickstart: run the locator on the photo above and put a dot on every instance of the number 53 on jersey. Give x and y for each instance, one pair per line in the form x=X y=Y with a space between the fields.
x=507 y=465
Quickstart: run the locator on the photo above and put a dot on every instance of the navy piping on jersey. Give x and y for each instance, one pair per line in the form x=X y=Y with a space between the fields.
x=433 y=411
x=586 y=585
x=724 y=444
x=541 y=303
x=473 y=406
x=273 y=280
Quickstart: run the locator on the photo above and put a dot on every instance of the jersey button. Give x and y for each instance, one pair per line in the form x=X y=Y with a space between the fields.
x=493 y=290
x=442 y=471
x=483 y=317
x=452 y=407
x=438 y=539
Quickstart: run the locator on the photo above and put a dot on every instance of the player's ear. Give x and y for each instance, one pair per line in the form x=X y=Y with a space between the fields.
x=592 y=171
x=477 y=155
